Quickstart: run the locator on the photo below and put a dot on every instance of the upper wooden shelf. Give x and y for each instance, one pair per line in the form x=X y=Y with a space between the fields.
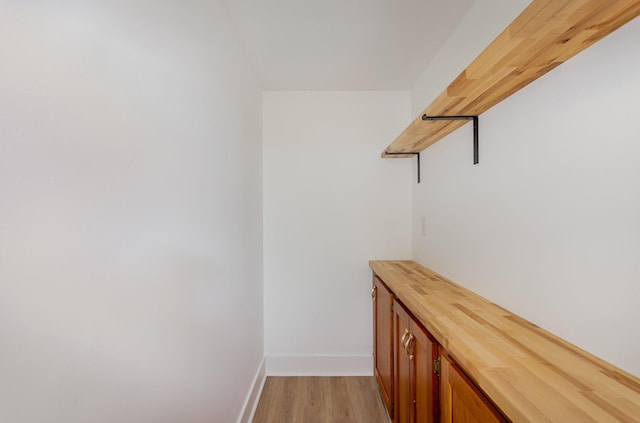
x=544 y=35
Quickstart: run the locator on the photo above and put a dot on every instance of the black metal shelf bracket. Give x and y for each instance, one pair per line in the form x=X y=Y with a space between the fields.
x=417 y=154
x=476 y=154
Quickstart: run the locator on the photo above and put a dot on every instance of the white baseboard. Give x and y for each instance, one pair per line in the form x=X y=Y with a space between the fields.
x=253 y=397
x=319 y=365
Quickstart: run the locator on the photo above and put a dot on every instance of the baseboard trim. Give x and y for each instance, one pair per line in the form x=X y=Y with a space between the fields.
x=319 y=365
x=253 y=397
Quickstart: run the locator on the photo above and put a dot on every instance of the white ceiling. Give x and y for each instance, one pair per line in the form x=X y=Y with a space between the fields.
x=343 y=44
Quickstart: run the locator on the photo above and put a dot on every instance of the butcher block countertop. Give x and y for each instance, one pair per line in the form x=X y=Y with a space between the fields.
x=530 y=374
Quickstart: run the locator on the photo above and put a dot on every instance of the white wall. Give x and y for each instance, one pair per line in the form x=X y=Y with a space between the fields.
x=130 y=214
x=330 y=205
x=547 y=225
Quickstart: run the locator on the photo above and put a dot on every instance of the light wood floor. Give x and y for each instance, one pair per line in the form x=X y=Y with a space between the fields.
x=320 y=400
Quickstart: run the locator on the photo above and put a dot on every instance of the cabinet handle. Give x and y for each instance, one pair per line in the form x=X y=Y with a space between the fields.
x=406 y=345
x=373 y=292
x=405 y=342
x=404 y=335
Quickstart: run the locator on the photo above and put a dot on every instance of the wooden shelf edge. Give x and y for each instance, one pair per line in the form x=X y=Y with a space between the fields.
x=397 y=155
x=546 y=34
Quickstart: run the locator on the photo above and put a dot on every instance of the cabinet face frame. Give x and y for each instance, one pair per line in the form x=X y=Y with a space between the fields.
x=383 y=354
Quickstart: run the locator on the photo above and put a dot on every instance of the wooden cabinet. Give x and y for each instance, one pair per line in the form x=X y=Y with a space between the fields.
x=382 y=341
x=491 y=359
x=405 y=357
x=416 y=384
x=461 y=401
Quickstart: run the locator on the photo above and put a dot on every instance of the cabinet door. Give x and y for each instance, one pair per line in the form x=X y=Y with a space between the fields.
x=402 y=388
x=424 y=350
x=382 y=341
x=462 y=402
x=416 y=387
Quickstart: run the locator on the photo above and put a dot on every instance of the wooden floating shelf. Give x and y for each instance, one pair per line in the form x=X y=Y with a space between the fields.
x=546 y=34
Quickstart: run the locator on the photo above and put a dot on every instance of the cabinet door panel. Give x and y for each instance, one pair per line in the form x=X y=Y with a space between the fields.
x=462 y=402
x=383 y=340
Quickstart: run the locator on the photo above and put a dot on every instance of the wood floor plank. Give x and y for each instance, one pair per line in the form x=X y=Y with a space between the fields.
x=320 y=400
